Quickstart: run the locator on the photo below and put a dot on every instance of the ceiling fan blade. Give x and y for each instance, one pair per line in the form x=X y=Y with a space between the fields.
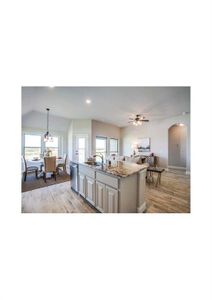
x=144 y=120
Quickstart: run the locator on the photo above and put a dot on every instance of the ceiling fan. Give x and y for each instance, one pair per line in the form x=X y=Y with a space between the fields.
x=137 y=120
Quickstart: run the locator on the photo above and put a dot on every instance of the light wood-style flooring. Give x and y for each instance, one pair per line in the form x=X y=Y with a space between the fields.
x=172 y=196
x=56 y=198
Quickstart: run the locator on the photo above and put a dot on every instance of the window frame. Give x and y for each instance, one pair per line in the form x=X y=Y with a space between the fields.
x=107 y=139
x=43 y=146
x=33 y=134
x=106 y=145
x=112 y=152
x=58 y=144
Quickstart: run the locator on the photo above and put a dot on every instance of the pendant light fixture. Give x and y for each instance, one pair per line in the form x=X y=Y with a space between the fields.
x=47 y=135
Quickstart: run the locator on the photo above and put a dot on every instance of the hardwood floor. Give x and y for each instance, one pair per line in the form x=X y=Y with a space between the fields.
x=172 y=196
x=56 y=198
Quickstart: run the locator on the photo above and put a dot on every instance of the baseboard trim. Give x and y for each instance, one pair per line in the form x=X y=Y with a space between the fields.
x=177 y=168
x=141 y=208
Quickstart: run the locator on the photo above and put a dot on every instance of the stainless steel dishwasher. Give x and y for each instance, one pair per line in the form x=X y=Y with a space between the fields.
x=74 y=176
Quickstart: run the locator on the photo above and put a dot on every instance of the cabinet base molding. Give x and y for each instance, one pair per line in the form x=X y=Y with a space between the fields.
x=141 y=208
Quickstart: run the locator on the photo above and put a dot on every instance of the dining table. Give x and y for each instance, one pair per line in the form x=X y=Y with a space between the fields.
x=40 y=163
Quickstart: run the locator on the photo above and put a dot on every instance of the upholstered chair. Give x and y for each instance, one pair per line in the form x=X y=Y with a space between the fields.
x=49 y=166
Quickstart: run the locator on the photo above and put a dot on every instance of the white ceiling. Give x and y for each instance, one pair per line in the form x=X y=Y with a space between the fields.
x=109 y=104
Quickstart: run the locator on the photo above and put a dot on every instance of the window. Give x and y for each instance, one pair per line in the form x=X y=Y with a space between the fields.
x=32 y=146
x=101 y=147
x=52 y=146
x=113 y=146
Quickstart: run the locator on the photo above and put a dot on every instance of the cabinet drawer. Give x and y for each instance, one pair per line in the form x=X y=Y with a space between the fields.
x=87 y=171
x=108 y=180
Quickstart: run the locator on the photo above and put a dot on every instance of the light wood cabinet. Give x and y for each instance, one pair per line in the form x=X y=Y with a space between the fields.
x=112 y=200
x=100 y=197
x=82 y=184
x=90 y=190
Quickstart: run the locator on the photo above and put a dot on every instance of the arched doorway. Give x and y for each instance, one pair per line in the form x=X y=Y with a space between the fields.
x=177 y=135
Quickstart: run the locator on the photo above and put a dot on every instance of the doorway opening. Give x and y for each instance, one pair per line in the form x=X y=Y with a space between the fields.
x=177 y=136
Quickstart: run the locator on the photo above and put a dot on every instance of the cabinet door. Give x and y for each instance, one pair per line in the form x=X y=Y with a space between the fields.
x=82 y=184
x=100 y=197
x=112 y=200
x=141 y=191
x=90 y=190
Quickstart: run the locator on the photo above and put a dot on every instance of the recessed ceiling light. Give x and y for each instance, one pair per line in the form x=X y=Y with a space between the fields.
x=181 y=124
x=88 y=101
x=51 y=87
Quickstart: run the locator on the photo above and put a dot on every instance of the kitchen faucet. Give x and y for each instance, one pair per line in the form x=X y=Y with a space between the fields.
x=102 y=158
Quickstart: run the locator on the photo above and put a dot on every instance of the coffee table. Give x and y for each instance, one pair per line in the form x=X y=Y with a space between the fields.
x=157 y=170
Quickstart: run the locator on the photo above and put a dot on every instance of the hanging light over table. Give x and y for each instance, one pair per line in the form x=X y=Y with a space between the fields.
x=47 y=135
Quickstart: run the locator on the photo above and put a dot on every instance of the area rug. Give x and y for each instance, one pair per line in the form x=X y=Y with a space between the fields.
x=32 y=183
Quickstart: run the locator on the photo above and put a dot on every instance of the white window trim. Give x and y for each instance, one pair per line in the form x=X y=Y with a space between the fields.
x=117 y=145
x=40 y=133
x=108 y=143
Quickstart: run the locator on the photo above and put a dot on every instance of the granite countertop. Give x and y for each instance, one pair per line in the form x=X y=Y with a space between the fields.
x=122 y=169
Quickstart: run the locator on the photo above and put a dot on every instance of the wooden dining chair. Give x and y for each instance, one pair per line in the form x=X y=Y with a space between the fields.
x=28 y=170
x=62 y=165
x=49 y=166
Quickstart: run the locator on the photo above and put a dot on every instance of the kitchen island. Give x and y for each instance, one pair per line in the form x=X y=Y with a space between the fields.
x=114 y=189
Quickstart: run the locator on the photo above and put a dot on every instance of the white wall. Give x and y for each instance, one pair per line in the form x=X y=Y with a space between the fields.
x=104 y=130
x=36 y=119
x=158 y=133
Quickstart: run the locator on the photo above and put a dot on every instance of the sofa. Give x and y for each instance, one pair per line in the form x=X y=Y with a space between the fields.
x=152 y=160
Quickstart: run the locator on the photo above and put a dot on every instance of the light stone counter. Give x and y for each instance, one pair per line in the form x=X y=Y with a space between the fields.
x=121 y=169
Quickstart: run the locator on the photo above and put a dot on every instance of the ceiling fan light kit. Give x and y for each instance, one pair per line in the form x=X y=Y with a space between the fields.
x=137 y=120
